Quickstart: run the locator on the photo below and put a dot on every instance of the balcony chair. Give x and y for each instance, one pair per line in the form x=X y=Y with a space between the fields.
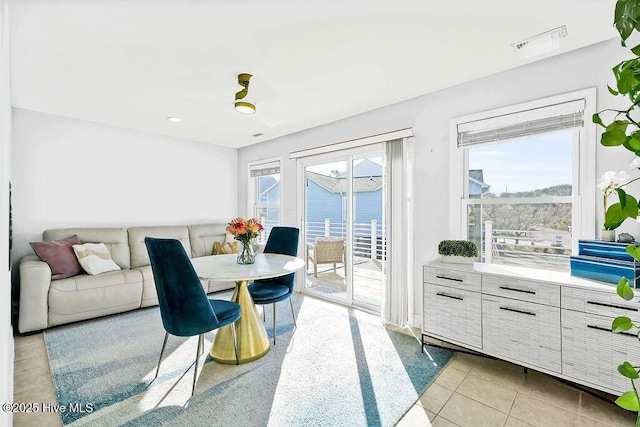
x=184 y=307
x=284 y=241
x=326 y=250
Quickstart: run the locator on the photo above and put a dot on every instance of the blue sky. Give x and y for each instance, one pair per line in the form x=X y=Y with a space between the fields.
x=341 y=166
x=521 y=165
x=525 y=164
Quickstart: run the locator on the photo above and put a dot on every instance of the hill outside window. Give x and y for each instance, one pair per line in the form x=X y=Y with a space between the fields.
x=524 y=190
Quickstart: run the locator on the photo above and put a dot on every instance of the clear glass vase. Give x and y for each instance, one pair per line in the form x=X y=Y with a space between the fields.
x=246 y=254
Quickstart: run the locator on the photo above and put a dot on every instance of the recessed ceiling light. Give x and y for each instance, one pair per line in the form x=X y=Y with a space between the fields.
x=174 y=119
x=540 y=44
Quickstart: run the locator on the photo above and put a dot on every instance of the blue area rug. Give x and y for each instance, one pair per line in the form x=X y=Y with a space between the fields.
x=339 y=367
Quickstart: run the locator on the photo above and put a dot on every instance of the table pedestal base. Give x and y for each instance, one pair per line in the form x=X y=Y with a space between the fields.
x=253 y=342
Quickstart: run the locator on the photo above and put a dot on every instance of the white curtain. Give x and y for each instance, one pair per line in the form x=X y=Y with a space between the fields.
x=399 y=215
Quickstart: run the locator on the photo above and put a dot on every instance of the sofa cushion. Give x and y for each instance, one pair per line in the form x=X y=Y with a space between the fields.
x=139 y=255
x=203 y=236
x=95 y=258
x=116 y=240
x=85 y=297
x=60 y=257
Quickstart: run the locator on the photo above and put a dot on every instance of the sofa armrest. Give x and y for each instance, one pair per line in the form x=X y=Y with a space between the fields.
x=35 y=279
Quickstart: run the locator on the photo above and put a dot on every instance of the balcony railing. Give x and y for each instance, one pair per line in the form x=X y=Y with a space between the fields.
x=368 y=238
x=535 y=248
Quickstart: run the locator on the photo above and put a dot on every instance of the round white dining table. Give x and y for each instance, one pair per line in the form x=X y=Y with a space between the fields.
x=253 y=342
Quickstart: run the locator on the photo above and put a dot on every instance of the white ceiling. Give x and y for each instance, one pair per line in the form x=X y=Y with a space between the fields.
x=132 y=63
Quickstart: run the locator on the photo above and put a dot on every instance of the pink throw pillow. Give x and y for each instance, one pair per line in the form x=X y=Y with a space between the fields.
x=60 y=256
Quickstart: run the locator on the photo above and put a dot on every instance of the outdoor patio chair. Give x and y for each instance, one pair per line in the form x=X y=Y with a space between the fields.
x=326 y=250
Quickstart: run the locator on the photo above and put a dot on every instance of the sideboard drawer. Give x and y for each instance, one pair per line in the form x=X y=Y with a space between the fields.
x=453 y=313
x=522 y=331
x=468 y=280
x=598 y=302
x=521 y=289
x=592 y=353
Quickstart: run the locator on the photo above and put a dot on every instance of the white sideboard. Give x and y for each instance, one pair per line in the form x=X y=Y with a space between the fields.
x=544 y=320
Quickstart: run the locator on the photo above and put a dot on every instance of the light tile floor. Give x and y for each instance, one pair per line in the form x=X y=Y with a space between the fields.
x=474 y=391
x=471 y=391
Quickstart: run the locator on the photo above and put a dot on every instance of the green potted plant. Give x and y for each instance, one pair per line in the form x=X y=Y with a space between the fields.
x=623 y=129
x=610 y=182
x=458 y=251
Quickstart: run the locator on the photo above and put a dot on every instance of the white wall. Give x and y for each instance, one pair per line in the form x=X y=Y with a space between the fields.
x=6 y=332
x=68 y=173
x=430 y=115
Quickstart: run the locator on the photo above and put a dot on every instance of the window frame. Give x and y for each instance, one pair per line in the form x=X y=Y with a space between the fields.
x=253 y=202
x=583 y=158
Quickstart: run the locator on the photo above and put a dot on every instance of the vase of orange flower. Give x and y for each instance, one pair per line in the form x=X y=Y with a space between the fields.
x=245 y=230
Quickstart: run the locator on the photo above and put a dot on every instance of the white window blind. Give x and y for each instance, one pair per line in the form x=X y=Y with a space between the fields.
x=264 y=169
x=354 y=143
x=568 y=115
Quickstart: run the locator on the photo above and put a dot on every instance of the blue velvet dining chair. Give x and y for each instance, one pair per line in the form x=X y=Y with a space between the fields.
x=184 y=306
x=284 y=241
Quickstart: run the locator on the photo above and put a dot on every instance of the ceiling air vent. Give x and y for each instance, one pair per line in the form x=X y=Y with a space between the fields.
x=540 y=44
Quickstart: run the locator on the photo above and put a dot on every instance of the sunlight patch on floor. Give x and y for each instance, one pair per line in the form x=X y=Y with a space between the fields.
x=175 y=379
x=384 y=367
x=303 y=372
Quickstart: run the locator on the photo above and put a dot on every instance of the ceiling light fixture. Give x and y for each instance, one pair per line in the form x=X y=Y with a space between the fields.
x=174 y=119
x=542 y=43
x=243 y=106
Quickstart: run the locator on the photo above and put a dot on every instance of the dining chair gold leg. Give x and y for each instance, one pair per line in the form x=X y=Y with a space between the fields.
x=164 y=344
x=274 y=323
x=195 y=368
x=293 y=312
x=235 y=341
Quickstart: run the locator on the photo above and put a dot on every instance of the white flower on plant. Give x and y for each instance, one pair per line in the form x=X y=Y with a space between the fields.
x=635 y=163
x=610 y=181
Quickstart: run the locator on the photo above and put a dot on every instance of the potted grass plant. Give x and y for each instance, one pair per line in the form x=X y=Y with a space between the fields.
x=458 y=251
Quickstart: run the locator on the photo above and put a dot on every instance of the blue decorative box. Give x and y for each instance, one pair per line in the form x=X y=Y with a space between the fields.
x=602 y=249
x=605 y=269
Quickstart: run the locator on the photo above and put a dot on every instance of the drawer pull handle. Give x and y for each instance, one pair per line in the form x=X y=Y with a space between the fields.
x=440 y=294
x=449 y=278
x=600 y=328
x=621 y=307
x=524 y=291
x=517 y=311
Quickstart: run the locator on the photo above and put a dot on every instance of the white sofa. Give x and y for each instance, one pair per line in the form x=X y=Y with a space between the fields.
x=45 y=302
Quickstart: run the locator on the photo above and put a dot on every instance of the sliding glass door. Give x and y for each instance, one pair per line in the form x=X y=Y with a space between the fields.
x=344 y=227
x=368 y=239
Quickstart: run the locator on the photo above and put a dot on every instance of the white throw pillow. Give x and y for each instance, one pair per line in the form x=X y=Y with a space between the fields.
x=95 y=258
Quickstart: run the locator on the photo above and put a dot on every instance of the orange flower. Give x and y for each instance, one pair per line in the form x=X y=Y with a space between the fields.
x=244 y=230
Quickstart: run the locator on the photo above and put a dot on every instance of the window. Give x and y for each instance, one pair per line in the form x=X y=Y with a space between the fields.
x=525 y=183
x=265 y=195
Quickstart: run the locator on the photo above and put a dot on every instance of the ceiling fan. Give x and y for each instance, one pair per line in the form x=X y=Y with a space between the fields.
x=258 y=101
